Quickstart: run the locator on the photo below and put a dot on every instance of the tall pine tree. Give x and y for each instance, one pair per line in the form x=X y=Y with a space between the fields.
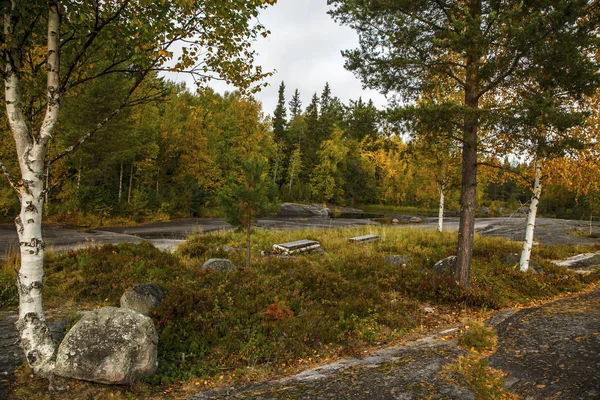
x=479 y=49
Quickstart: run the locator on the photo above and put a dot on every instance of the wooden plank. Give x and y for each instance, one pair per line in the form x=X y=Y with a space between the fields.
x=364 y=238
x=297 y=246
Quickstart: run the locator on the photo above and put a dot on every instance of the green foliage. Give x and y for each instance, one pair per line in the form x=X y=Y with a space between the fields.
x=478 y=337
x=485 y=382
x=253 y=196
x=101 y=275
x=8 y=290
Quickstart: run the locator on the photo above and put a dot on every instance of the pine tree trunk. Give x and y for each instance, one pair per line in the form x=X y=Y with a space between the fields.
x=468 y=198
x=441 y=209
x=535 y=199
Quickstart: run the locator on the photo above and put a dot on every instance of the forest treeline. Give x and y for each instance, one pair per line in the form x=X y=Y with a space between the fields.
x=169 y=155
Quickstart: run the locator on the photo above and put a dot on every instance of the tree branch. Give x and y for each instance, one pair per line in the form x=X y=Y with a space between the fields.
x=90 y=40
x=99 y=125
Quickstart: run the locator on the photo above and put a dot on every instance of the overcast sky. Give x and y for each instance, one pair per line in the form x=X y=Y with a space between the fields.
x=304 y=48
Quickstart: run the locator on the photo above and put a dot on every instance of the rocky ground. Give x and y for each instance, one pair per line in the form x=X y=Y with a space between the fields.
x=550 y=351
x=168 y=235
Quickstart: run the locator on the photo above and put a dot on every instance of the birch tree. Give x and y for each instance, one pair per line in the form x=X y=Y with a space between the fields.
x=52 y=47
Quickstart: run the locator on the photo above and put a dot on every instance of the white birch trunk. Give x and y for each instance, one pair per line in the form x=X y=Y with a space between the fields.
x=535 y=199
x=130 y=184
x=35 y=338
x=441 y=209
x=121 y=182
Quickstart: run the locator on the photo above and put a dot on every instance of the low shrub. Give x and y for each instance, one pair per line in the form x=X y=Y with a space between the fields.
x=284 y=311
x=478 y=337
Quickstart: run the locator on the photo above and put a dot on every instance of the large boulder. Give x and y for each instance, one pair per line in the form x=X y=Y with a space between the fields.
x=110 y=345
x=219 y=265
x=293 y=210
x=143 y=297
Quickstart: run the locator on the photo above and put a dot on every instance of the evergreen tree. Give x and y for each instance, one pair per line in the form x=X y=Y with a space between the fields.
x=295 y=105
x=312 y=140
x=249 y=198
x=361 y=120
x=281 y=136
x=280 y=116
x=481 y=50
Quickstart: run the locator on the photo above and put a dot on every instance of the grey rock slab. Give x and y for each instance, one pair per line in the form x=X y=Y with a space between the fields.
x=294 y=210
x=552 y=351
x=514 y=259
x=110 y=345
x=409 y=372
x=586 y=260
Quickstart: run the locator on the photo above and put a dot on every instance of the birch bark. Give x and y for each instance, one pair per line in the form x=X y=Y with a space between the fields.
x=441 y=209
x=535 y=199
x=35 y=338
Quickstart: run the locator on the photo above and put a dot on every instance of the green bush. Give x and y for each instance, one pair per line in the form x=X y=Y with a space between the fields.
x=478 y=337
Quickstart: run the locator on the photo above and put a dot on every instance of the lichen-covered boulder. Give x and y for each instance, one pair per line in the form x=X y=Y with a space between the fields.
x=219 y=265
x=142 y=298
x=110 y=345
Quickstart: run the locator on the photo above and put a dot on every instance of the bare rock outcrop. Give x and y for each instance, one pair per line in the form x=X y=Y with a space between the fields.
x=293 y=210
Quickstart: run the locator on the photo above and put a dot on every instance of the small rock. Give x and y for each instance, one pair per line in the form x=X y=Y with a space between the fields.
x=514 y=259
x=448 y=331
x=429 y=310
x=415 y=220
x=228 y=249
x=219 y=265
x=142 y=298
x=446 y=264
x=399 y=260
x=395 y=221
